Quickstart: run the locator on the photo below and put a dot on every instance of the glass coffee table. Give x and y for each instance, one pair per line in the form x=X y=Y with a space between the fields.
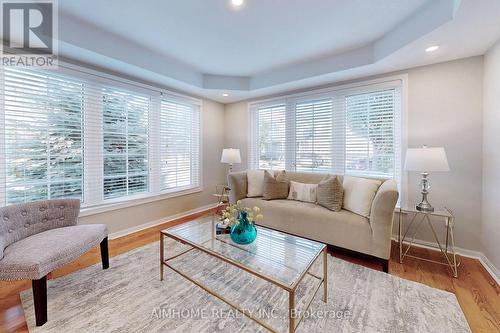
x=278 y=258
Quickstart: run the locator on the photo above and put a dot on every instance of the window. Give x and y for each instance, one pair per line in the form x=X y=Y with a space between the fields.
x=125 y=143
x=314 y=136
x=43 y=136
x=370 y=146
x=269 y=145
x=180 y=145
x=72 y=134
x=353 y=131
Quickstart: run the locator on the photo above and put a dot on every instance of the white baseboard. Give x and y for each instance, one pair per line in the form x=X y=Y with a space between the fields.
x=487 y=264
x=150 y=224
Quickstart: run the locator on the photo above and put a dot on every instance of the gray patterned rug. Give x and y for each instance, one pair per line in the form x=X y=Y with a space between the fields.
x=129 y=297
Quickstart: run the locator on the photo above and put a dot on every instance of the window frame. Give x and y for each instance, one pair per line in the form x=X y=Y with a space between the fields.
x=94 y=81
x=341 y=92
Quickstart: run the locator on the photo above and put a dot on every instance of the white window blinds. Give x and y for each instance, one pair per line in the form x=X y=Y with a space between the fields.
x=125 y=143
x=370 y=134
x=355 y=131
x=314 y=135
x=268 y=148
x=43 y=137
x=69 y=134
x=179 y=145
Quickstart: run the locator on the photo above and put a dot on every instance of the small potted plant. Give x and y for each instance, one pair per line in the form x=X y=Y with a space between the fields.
x=243 y=220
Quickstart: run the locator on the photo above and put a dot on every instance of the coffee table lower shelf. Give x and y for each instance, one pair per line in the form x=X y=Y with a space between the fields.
x=293 y=320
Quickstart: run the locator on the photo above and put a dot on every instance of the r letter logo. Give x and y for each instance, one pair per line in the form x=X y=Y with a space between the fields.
x=28 y=33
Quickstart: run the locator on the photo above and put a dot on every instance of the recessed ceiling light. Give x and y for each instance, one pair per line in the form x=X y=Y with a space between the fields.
x=237 y=3
x=225 y=94
x=432 y=48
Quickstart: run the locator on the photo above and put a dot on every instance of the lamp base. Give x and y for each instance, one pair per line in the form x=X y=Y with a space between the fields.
x=425 y=207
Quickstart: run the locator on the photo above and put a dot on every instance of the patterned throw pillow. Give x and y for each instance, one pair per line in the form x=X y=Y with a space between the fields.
x=303 y=192
x=275 y=187
x=330 y=193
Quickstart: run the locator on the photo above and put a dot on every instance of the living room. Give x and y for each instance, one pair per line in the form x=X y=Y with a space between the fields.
x=250 y=165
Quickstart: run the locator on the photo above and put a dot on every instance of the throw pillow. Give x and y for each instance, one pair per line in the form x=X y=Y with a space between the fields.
x=330 y=193
x=255 y=180
x=359 y=194
x=303 y=192
x=275 y=187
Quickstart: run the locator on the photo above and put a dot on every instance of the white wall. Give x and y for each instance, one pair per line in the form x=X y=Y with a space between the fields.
x=491 y=156
x=444 y=109
x=213 y=173
x=236 y=133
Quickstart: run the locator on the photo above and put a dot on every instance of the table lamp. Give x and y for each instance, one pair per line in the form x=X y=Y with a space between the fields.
x=426 y=160
x=230 y=156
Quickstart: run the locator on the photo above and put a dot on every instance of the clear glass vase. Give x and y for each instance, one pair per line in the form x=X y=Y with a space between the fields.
x=244 y=232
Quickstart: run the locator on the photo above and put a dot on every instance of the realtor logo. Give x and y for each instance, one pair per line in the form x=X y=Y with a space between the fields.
x=29 y=33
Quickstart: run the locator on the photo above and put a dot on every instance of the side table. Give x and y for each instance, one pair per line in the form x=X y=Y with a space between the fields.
x=417 y=219
x=222 y=195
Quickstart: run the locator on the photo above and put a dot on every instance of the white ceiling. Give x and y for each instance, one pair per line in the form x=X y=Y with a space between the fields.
x=268 y=46
x=214 y=38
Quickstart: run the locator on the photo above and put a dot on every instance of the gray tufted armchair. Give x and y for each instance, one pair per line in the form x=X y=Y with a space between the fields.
x=38 y=237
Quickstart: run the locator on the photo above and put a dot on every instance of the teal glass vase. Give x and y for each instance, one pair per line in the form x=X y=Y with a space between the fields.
x=244 y=232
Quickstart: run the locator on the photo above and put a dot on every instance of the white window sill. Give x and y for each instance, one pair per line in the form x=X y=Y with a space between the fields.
x=131 y=202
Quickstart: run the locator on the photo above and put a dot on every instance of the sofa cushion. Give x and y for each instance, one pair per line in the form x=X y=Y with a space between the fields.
x=275 y=187
x=303 y=192
x=343 y=228
x=330 y=193
x=359 y=193
x=37 y=255
x=255 y=181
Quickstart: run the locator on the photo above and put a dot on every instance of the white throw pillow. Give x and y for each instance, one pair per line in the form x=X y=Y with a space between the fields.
x=359 y=194
x=303 y=192
x=255 y=180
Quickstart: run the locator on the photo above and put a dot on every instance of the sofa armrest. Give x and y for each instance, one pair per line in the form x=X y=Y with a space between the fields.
x=382 y=214
x=237 y=182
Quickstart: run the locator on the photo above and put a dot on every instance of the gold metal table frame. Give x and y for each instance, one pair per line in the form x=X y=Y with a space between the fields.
x=449 y=245
x=291 y=289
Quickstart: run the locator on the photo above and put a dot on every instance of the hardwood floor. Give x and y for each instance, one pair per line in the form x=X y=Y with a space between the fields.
x=476 y=291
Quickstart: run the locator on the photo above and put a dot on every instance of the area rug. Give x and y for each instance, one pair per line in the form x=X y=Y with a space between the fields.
x=129 y=297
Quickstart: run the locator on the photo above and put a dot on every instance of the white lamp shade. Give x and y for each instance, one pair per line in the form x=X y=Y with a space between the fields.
x=231 y=156
x=426 y=159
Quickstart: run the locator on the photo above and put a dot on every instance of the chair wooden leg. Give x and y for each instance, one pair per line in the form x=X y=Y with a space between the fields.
x=40 y=300
x=105 y=253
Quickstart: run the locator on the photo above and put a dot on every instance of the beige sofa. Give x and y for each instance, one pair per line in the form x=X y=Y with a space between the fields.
x=367 y=235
